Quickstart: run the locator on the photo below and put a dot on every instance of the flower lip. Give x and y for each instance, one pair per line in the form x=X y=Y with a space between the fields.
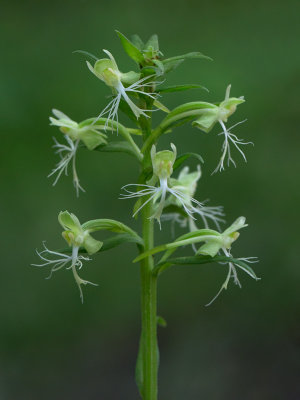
x=57 y=261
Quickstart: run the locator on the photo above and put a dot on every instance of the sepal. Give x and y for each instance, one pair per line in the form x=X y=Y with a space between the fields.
x=206 y=121
x=76 y=234
x=85 y=131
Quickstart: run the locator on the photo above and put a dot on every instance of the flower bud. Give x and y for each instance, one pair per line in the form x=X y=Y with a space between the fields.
x=163 y=162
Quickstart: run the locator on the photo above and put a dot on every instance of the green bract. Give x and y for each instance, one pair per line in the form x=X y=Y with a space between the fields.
x=76 y=235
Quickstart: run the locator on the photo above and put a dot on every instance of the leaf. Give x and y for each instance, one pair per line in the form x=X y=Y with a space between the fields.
x=194 y=54
x=161 y=106
x=116 y=147
x=186 y=112
x=134 y=131
x=160 y=66
x=161 y=322
x=137 y=42
x=194 y=260
x=151 y=70
x=171 y=65
x=181 y=159
x=246 y=268
x=86 y=53
x=118 y=239
x=200 y=235
x=153 y=43
x=131 y=49
x=179 y=88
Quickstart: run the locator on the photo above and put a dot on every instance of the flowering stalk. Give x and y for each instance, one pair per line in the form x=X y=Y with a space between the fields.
x=160 y=193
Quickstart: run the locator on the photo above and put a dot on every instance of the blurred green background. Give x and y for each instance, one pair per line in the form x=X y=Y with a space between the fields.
x=246 y=345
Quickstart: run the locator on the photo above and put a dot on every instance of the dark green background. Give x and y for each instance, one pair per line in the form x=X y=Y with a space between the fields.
x=246 y=345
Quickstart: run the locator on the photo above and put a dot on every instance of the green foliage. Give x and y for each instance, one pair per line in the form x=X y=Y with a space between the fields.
x=179 y=88
x=131 y=49
x=201 y=259
x=116 y=147
x=181 y=159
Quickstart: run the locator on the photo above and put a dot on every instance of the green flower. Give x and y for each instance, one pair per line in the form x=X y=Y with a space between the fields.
x=122 y=85
x=224 y=243
x=88 y=133
x=76 y=237
x=74 y=132
x=225 y=240
x=220 y=114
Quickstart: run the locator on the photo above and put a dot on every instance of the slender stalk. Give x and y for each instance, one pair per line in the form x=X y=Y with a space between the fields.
x=149 y=319
x=148 y=290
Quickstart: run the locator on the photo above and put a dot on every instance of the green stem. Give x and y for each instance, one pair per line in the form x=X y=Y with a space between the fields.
x=148 y=289
x=149 y=318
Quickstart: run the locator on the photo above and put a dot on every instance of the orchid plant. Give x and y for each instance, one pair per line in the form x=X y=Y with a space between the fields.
x=164 y=190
